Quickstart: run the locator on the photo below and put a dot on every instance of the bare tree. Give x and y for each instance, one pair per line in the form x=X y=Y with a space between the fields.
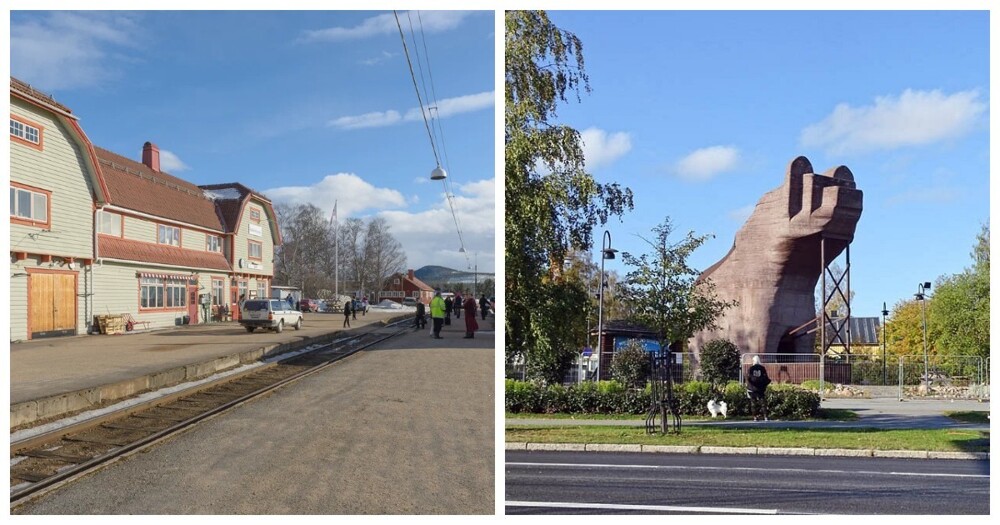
x=304 y=257
x=383 y=254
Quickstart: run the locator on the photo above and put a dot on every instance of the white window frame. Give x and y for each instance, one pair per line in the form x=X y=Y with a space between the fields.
x=113 y=226
x=211 y=246
x=34 y=205
x=25 y=132
x=170 y=235
x=250 y=250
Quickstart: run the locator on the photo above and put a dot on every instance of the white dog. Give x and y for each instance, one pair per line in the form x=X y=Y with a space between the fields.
x=717 y=407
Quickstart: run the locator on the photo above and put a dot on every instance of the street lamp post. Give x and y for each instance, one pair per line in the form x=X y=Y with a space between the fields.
x=607 y=252
x=885 y=370
x=921 y=289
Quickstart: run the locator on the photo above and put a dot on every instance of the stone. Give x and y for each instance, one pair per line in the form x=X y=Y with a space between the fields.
x=774 y=264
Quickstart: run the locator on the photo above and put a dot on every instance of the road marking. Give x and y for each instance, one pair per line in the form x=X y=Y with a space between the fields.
x=747 y=469
x=645 y=508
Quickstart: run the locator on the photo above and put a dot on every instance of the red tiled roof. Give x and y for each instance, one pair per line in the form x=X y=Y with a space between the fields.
x=117 y=248
x=25 y=89
x=135 y=186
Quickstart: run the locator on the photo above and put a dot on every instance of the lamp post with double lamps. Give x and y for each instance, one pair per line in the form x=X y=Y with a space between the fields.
x=607 y=252
x=921 y=289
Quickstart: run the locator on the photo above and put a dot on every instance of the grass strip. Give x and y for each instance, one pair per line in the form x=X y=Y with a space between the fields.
x=825 y=414
x=943 y=440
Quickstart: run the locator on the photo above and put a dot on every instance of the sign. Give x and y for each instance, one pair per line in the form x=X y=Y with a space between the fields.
x=648 y=345
x=256 y=230
x=587 y=351
x=254 y=265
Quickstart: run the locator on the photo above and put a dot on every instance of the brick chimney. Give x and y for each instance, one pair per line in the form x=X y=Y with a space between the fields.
x=409 y=274
x=151 y=156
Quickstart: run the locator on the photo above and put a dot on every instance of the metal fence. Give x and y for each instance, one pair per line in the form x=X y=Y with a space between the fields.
x=955 y=377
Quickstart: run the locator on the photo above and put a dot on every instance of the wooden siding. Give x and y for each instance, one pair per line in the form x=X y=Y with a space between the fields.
x=117 y=291
x=58 y=168
x=266 y=240
x=138 y=229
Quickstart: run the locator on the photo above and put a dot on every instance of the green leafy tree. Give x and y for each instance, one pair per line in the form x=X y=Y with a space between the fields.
x=959 y=312
x=720 y=363
x=664 y=293
x=553 y=204
x=630 y=365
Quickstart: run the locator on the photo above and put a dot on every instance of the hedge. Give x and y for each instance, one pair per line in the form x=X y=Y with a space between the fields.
x=784 y=401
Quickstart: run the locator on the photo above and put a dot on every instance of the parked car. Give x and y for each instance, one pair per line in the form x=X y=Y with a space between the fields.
x=273 y=314
x=309 y=305
x=358 y=306
x=409 y=301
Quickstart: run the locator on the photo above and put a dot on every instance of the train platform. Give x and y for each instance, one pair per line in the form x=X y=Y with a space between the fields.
x=58 y=377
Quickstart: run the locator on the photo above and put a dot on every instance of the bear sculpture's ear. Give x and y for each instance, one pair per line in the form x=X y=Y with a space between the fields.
x=840 y=172
x=796 y=169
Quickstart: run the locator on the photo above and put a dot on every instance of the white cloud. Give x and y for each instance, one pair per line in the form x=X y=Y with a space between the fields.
x=601 y=148
x=374 y=119
x=352 y=193
x=68 y=50
x=913 y=118
x=430 y=236
x=429 y=21
x=705 y=163
x=171 y=163
x=445 y=108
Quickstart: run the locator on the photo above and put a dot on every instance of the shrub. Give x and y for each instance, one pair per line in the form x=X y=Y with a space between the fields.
x=630 y=365
x=720 y=362
x=610 y=397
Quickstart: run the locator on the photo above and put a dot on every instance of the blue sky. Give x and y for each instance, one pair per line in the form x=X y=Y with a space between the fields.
x=303 y=106
x=699 y=113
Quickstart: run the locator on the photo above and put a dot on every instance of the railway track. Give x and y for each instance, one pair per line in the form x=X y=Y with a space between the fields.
x=43 y=462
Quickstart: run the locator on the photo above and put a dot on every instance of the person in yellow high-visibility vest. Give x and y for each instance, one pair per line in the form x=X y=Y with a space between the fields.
x=437 y=313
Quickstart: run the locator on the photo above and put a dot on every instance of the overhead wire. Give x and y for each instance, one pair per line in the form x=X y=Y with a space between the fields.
x=424 y=110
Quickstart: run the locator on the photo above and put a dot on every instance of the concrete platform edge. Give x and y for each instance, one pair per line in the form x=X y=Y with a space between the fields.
x=60 y=405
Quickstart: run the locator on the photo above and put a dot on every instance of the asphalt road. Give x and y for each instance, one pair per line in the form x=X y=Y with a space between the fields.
x=633 y=483
x=404 y=429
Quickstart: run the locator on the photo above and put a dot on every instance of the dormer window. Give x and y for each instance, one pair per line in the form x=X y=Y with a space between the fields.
x=213 y=243
x=168 y=235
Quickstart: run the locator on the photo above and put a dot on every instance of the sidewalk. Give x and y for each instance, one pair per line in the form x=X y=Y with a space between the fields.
x=54 y=377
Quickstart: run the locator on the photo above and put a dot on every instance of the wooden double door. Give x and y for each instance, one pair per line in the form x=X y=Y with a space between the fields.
x=52 y=303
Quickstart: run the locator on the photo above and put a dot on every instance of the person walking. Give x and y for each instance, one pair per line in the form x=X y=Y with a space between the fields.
x=484 y=305
x=364 y=306
x=437 y=313
x=447 y=310
x=757 y=382
x=470 y=318
x=456 y=306
x=420 y=320
x=355 y=305
x=347 y=314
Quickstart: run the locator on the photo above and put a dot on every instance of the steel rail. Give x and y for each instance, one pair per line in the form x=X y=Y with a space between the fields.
x=39 y=487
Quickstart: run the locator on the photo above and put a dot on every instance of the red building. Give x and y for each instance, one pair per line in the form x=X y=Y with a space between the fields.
x=399 y=286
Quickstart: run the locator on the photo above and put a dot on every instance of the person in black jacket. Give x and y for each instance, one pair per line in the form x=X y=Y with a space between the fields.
x=757 y=382
x=448 y=305
x=484 y=306
x=420 y=320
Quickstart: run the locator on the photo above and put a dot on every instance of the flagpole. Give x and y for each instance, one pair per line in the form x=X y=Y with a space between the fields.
x=336 y=253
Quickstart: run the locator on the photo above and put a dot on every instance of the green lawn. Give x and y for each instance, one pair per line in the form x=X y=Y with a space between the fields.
x=935 y=440
x=826 y=414
x=972 y=416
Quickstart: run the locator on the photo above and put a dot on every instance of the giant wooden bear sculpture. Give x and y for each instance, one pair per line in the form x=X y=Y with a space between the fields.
x=774 y=264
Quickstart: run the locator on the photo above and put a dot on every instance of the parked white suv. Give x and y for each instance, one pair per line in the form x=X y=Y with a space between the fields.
x=273 y=314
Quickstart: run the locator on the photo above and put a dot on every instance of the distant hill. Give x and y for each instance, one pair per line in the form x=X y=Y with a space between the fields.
x=442 y=275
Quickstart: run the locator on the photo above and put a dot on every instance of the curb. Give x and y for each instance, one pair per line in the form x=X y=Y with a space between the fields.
x=751 y=451
x=68 y=403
